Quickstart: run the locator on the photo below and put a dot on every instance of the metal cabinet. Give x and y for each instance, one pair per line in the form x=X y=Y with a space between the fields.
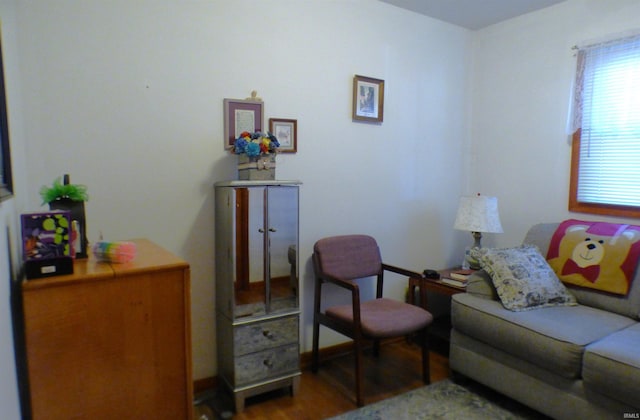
x=257 y=303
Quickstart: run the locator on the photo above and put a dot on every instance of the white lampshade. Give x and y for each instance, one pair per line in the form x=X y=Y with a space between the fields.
x=478 y=214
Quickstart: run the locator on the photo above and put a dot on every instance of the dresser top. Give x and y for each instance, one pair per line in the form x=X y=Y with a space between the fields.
x=149 y=257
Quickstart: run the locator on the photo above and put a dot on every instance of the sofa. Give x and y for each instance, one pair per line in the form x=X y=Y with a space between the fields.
x=575 y=359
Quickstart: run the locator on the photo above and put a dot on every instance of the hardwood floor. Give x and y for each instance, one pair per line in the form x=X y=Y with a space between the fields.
x=331 y=391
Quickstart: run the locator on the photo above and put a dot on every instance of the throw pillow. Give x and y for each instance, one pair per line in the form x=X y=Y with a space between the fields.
x=595 y=255
x=523 y=278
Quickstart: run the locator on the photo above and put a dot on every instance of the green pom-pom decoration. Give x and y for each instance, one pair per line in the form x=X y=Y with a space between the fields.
x=74 y=192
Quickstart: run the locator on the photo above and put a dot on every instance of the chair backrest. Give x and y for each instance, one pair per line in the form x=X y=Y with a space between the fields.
x=348 y=257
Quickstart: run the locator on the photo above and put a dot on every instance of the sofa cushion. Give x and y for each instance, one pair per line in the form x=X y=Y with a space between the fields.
x=523 y=278
x=552 y=338
x=629 y=305
x=611 y=366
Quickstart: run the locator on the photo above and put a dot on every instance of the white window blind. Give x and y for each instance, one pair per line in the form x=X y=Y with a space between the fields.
x=607 y=110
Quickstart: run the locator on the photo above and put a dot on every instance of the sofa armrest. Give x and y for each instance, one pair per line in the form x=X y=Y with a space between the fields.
x=480 y=284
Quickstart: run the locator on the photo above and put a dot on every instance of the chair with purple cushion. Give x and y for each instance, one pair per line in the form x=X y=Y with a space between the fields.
x=340 y=260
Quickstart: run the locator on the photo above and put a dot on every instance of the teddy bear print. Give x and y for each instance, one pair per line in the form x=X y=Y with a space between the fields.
x=595 y=260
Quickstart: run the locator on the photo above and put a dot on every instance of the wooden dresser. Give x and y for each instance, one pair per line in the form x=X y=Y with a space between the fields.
x=111 y=341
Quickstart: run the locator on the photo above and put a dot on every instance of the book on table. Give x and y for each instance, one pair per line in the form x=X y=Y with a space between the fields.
x=461 y=274
x=453 y=282
x=458 y=277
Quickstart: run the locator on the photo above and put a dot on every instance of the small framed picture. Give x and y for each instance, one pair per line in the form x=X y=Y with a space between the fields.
x=368 y=99
x=286 y=131
x=241 y=115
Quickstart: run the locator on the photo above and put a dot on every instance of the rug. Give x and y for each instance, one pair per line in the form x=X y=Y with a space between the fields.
x=440 y=400
x=444 y=400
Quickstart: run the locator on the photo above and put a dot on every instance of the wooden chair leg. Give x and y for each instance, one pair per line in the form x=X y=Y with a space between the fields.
x=314 y=351
x=359 y=372
x=424 y=341
x=316 y=325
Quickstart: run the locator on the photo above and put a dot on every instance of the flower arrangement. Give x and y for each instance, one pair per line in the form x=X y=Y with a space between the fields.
x=256 y=144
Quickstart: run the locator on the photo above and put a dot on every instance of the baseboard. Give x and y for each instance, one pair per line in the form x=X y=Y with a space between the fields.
x=326 y=353
x=205 y=384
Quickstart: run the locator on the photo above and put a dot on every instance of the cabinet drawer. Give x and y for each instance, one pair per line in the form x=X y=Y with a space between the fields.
x=267 y=364
x=259 y=336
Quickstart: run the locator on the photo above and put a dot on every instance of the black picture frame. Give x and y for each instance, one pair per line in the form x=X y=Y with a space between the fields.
x=6 y=175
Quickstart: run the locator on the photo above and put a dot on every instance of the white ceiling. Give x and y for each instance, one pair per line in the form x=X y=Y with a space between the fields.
x=473 y=14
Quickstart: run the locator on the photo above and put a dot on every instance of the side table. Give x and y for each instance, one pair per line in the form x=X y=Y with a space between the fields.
x=425 y=285
x=441 y=327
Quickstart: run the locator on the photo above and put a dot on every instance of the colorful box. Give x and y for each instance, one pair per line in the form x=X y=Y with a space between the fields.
x=47 y=244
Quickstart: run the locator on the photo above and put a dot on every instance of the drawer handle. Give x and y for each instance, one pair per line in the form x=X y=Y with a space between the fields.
x=268 y=363
x=268 y=334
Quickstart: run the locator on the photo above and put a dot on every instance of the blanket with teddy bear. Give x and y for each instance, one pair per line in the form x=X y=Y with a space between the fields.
x=596 y=255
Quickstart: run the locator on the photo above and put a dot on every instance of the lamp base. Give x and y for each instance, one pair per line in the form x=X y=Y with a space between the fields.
x=469 y=260
x=472 y=262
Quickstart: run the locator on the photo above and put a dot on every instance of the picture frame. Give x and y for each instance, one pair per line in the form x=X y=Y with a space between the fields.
x=368 y=99
x=286 y=131
x=6 y=174
x=241 y=115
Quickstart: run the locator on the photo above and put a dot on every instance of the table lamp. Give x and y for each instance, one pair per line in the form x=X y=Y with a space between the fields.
x=477 y=214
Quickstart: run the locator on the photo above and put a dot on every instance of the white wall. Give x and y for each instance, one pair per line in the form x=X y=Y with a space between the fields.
x=9 y=212
x=522 y=77
x=126 y=96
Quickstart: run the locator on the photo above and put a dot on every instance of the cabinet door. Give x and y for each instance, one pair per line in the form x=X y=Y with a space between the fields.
x=282 y=223
x=266 y=242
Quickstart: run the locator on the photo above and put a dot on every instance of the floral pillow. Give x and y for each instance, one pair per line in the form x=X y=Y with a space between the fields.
x=523 y=278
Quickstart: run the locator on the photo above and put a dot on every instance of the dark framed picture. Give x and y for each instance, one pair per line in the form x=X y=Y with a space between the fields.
x=241 y=115
x=6 y=177
x=286 y=131
x=368 y=99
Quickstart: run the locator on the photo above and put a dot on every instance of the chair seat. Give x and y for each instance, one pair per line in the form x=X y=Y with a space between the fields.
x=384 y=318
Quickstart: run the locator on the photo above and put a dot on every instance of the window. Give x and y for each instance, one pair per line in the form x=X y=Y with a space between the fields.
x=605 y=163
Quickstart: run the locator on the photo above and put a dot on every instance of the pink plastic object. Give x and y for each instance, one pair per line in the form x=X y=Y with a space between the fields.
x=115 y=252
